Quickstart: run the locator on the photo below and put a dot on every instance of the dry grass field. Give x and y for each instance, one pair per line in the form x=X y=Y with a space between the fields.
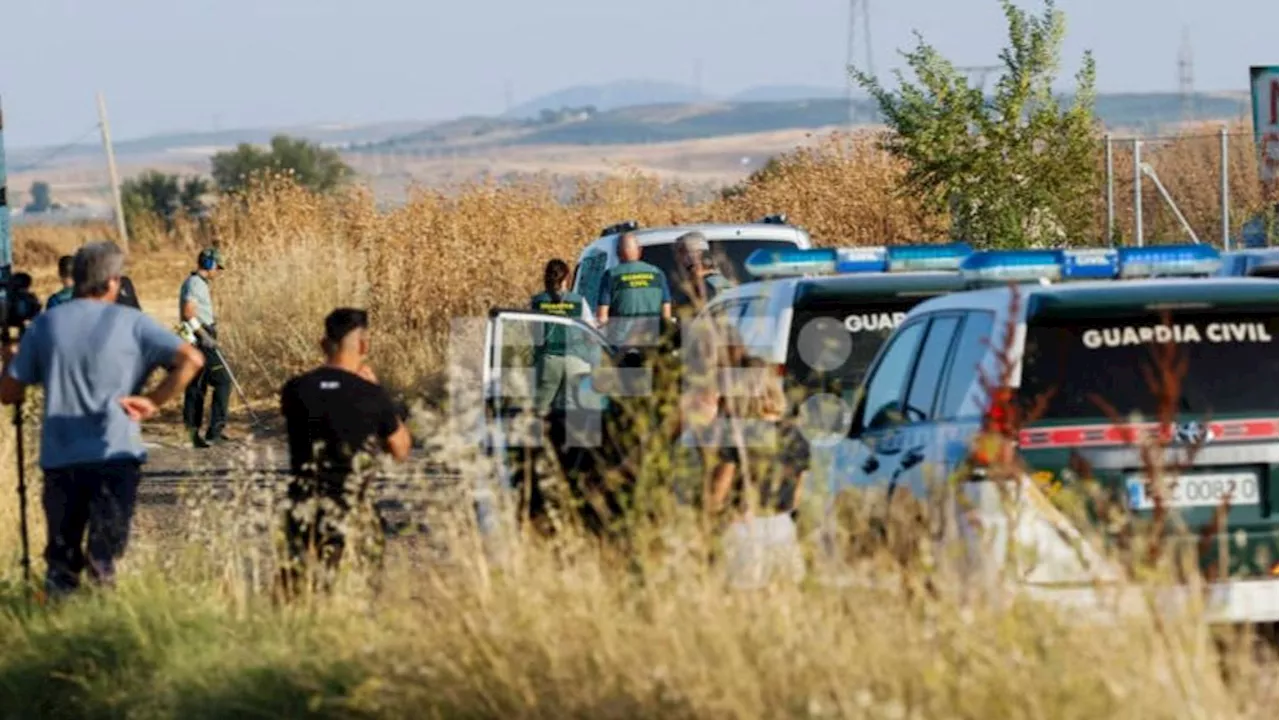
x=567 y=629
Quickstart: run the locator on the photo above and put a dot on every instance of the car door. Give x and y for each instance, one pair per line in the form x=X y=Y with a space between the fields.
x=589 y=274
x=509 y=378
x=893 y=425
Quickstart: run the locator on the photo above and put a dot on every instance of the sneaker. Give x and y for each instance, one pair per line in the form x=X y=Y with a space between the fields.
x=198 y=442
x=218 y=439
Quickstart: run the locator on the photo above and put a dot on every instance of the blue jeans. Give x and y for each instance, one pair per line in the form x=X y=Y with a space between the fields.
x=99 y=498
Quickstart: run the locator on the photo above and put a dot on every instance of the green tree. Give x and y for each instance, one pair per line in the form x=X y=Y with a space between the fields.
x=41 y=198
x=1014 y=168
x=317 y=168
x=163 y=195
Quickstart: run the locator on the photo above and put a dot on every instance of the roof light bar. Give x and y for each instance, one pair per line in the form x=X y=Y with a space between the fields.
x=1169 y=261
x=1091 y=263
x=764 y=263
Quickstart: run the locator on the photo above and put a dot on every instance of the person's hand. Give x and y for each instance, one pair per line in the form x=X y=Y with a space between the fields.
x=366 y=372
x=139 y=407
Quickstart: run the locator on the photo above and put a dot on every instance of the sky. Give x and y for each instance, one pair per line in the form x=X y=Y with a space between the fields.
x=197 y=65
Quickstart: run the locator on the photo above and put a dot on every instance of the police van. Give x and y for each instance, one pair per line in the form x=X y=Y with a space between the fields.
x=1080 y=349
x=731 y=244
x=821 y=314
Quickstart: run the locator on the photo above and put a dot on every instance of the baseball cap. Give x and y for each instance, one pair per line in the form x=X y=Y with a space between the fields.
x=693 y=242
x=212 y=254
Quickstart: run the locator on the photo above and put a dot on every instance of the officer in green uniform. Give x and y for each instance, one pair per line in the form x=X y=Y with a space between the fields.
x=65 y=264
x=634 y=297
x=561 y=356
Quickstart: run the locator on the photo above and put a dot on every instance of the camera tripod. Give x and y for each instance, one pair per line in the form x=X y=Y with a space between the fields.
x=20 y=452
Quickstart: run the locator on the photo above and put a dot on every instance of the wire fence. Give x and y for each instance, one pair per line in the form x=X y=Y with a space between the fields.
x=1175 y=188
x=1179 y=178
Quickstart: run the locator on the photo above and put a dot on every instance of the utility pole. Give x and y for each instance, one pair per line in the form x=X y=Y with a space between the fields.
x=859 y=11
x=979 y=74
x=1186 y=77
x=111 y=171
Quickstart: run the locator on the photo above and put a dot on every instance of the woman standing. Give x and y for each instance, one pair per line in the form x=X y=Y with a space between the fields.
x=561 y=356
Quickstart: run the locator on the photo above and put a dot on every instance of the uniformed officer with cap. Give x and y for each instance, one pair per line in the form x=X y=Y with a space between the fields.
x=700 y=279
x=634 y=298
x=195 y=307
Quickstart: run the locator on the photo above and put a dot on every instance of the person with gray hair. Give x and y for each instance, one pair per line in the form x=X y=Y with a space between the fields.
x=90 y=357
x=696 y=272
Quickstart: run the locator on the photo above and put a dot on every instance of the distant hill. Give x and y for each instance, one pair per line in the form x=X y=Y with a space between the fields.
x=609 y=96
x=635 y=123
x=780 y=93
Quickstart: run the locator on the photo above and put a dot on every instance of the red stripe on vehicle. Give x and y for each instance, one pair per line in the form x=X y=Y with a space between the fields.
x=1099 y=435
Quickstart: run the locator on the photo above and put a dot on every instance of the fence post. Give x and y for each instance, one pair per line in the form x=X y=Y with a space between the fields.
x=1137 y=191
x=1226 y=190
x=1111 y=193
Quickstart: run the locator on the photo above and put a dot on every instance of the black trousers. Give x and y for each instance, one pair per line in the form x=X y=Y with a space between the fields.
x=99 y=498
x=214 y=377
x=319 y=521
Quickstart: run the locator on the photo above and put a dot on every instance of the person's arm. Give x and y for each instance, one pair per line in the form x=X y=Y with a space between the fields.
x=396 y=439
x=162 y=347
x=666 y=298
x=602 y=302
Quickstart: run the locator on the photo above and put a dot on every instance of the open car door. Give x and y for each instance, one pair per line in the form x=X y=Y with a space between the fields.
x=516 y=430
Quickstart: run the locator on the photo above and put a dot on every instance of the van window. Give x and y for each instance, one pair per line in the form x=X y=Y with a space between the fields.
x=928 y=371
x=731 y=257
x=883 y=404
x=962 y=375
x=1089 y=363
x=589 y=273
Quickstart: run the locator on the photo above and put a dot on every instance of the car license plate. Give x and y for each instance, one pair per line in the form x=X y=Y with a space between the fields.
x=1197 y=490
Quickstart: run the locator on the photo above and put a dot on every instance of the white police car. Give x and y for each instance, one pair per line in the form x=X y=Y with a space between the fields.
x=731 y=244
x=1081 y=349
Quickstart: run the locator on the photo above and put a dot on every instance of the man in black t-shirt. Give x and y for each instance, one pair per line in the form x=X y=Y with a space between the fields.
x=334 y=415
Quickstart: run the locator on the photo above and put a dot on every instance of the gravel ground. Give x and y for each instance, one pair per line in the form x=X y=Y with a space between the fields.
x=179 y=480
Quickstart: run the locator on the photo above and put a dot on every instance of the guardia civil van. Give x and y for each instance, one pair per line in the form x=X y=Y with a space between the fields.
x=1079 y=333
x=821 y=314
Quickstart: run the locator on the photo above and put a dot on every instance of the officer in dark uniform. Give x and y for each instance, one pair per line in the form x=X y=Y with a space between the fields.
x=634 y=298
x=560 y=357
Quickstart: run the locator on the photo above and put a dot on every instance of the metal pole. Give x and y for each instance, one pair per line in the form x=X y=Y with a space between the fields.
x=1226 y=191
x=1137 y=191
x=1111 y=194
x=1147 y=169
x=111 y=170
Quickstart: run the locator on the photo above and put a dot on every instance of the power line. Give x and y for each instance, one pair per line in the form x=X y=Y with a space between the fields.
x=93 y=129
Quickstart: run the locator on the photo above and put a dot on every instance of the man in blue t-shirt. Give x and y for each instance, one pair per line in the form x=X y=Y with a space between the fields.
x=90 y=355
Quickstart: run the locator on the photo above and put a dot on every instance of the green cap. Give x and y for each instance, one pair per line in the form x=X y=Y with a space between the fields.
x=211 y=256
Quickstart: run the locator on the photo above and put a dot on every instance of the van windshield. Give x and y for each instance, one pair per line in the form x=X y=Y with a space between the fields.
x=832 y=344
x=731 y=256
x=1088 y=364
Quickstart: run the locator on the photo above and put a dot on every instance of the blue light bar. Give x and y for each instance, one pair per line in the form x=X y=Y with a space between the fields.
x=872 y=259
x=1012 y=265
x=764 y=263
x=1168 y=261
x=928 y=257
x=1090 y=263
